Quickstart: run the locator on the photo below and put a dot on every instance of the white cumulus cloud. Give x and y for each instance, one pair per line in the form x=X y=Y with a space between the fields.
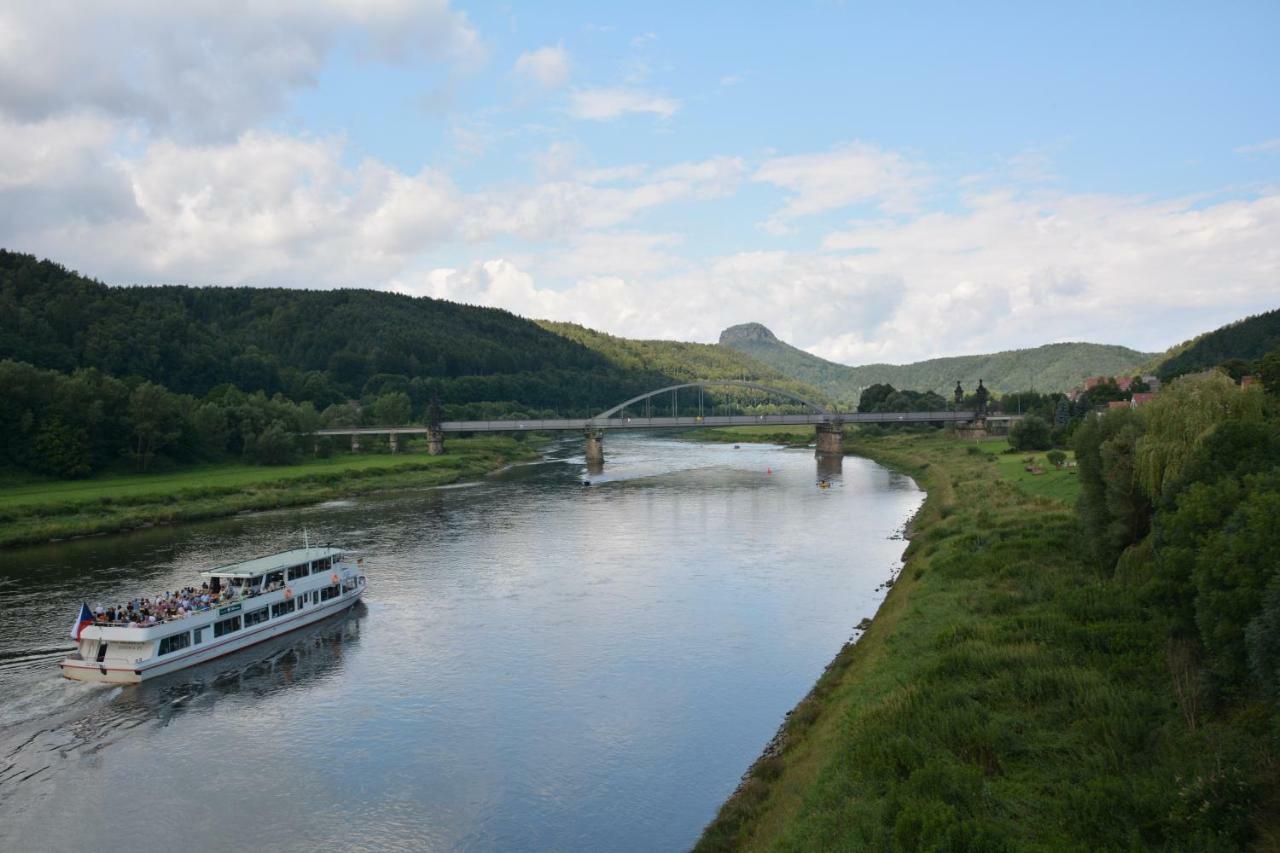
x=611 y=103
x=838 y=178
x=202 y=68
x=1007 y=270
x=546 y=67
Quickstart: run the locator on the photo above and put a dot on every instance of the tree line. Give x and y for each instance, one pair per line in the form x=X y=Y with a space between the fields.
x=1179 y=499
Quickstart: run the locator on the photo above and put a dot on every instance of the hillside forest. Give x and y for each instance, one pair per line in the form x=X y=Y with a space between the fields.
x=1052 y=367
x=95 y=377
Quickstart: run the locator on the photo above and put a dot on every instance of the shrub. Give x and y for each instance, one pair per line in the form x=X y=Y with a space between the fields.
x=63 y=451
x=1030 y=433
x=1056 y=458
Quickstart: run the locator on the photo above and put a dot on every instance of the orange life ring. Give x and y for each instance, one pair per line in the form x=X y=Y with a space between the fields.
x=334 y=577
x=288 y=592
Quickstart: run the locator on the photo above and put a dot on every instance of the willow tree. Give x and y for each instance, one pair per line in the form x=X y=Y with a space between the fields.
x=1181 y=417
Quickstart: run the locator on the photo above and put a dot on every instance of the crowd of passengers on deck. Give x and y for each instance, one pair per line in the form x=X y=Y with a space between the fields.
x=143 y=612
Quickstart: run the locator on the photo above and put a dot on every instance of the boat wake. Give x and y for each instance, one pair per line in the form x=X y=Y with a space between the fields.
x=54 y=723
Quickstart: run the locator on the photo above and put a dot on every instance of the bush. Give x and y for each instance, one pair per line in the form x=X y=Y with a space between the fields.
x=274 y=446
x=1030 y=433
x=63 y=451
x=1056 y=458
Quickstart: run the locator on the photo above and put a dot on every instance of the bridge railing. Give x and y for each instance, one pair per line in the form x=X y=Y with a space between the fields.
x=681 y=422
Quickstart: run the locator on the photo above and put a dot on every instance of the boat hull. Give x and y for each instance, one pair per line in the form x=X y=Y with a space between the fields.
x=114 y=674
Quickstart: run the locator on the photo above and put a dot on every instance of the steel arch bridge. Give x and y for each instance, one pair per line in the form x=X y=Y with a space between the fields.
x=710 y=383
x=615 y=418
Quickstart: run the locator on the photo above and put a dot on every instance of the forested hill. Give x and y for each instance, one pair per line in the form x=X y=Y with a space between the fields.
x=758 y=342
x=685 y=362
x=324 y=347
x=1246 y=340
x=1053 y=367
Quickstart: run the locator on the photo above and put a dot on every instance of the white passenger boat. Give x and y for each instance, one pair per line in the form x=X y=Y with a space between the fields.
x=248 y=602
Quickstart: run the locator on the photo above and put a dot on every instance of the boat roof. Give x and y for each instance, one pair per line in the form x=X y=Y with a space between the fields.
x=271 y=562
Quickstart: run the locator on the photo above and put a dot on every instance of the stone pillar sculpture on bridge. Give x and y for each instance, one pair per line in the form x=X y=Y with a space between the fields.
x=435 y=441
x=393 y=439
x=976 y=428
x=355 y=442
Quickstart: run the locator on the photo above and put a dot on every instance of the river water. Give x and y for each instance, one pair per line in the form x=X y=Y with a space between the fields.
x=537 y=664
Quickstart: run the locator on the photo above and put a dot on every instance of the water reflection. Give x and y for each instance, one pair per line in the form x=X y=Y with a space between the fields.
x=278 y=664
x=830 y=469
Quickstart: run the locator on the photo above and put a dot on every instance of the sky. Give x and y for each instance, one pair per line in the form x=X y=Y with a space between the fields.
x=874 y=182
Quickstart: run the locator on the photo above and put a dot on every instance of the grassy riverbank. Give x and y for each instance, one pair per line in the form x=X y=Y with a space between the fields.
x=32 y=512
x=1008 y=695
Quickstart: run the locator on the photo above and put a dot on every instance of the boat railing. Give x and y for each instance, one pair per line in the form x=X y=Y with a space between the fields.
x=202 y=608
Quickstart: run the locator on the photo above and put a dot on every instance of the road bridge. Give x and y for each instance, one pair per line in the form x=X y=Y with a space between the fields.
x=828 y=425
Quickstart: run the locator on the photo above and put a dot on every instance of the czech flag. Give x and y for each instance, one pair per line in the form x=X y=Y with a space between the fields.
x=86 y=618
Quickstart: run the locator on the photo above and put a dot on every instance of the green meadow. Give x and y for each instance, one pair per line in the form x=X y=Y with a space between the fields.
x=34 y=511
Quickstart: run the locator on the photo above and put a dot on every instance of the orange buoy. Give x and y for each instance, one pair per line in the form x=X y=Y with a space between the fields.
x=334 y=577
x=288 y=592
x=768 y=470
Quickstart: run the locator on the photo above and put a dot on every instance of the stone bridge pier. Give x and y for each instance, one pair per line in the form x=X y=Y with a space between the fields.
x=595 y=447
x=393 y=439
x=435 y=441
x=830 y=441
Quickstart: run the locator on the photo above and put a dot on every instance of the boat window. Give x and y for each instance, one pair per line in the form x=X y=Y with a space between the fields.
x=226 y=626
x=174 y=642
x=102 y=652
x=321 y=565
x=275 y=577
x=329 y=592
x=296 y=572
x=253 y=617
x=283 y=607
x=255 y=581
x=199 y=632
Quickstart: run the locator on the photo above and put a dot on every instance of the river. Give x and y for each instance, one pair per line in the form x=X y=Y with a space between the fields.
x=537 y=664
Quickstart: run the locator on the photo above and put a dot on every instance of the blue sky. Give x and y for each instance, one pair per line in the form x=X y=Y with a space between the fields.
x=1149 y=98
x=877 y=182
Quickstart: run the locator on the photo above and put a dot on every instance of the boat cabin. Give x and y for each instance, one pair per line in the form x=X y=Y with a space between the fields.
x=264 y=574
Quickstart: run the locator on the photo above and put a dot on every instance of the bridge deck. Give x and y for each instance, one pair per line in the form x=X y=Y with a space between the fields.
x=691 y=422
